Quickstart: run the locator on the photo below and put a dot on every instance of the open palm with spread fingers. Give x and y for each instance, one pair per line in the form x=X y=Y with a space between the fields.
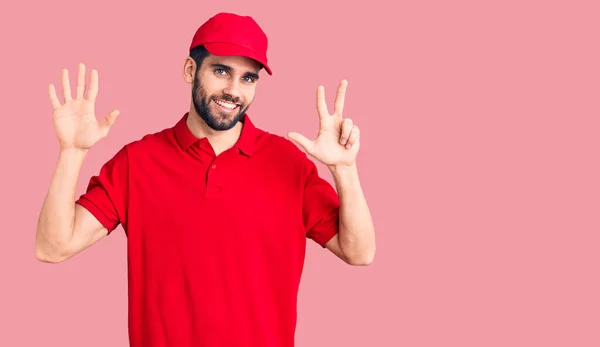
x=337 y=141
x=75 y=120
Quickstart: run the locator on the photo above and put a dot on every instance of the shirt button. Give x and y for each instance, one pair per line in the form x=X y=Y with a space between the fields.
x=214 y=166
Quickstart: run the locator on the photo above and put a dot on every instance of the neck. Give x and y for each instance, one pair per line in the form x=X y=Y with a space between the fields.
x=219 y=140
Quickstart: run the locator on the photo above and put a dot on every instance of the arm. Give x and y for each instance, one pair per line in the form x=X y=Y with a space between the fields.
x=65 y=228
x=355 y=241
x=337 y=146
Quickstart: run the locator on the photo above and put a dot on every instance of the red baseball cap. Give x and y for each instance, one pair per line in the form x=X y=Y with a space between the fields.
x=231 y=34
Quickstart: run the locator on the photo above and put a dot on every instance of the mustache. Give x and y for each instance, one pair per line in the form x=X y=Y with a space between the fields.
x=227 y=98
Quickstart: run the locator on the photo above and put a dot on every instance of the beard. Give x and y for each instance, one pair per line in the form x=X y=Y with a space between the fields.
x=218 y=120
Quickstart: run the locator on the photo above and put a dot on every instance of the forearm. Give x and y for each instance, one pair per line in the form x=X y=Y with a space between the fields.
x=356 y=231
x=56 y=219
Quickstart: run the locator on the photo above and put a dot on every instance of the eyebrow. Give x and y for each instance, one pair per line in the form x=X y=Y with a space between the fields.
x=228 y=69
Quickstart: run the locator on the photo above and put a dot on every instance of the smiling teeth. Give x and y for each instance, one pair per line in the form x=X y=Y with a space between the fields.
x=226 y=104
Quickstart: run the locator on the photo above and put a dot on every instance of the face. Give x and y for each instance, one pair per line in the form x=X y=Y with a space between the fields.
x=223 y=89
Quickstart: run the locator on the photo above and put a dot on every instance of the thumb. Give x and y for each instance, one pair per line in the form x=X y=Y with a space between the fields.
x=302 y=141
x=108 y=122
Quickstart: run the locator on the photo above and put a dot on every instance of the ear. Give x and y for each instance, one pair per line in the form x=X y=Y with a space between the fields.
x=189 y=70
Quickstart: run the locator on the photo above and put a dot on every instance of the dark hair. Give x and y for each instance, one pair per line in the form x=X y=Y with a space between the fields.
x=198 y=54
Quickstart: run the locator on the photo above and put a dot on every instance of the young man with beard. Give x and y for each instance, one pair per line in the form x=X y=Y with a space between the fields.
x=216 y=211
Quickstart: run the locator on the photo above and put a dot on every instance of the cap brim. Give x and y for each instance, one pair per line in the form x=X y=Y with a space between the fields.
x=228 y=49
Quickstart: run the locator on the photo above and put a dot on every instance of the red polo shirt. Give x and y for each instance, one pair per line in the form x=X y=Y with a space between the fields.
x=216 y=244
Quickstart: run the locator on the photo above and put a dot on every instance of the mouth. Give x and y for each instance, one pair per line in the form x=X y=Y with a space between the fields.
x=226 y=106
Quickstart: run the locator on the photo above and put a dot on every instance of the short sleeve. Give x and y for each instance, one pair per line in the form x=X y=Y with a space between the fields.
x=106 y=193
x=320 y=208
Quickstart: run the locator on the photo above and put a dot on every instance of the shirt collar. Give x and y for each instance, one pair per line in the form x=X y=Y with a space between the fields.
x=245 y=143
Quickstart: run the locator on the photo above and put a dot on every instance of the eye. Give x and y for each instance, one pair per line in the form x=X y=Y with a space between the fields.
x=220 y=71
x=249 y=79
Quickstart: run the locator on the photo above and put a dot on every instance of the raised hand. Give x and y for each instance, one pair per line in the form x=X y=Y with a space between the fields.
x=337 y=141
x=75 y=120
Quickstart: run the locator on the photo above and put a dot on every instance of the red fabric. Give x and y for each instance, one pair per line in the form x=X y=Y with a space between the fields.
x=216 y=245
x=232 y=34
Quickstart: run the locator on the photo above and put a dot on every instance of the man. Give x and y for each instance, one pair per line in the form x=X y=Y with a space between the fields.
x=216 y=211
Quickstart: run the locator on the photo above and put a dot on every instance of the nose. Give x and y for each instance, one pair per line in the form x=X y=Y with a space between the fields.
x=233 y=89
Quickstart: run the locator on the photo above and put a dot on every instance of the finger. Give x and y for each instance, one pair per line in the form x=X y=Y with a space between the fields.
x=80 y=81
x=354 y=136
x=66 y=86
x=108 y=122
x=93 y=89
x=321 y=104
x=346 y=129
x=53 y=98
x=339 y=98
x=302 y=141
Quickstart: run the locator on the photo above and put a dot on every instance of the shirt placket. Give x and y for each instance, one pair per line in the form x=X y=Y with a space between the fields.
x=214 y=179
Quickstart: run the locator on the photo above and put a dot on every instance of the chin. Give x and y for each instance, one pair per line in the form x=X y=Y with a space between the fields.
x=222 y=123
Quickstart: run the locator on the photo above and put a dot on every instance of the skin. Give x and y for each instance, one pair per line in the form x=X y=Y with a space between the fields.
x=65 y=229
x=336 y=146
x=232 y=78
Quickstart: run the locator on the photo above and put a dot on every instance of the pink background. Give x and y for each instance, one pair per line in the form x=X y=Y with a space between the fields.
x=479 y=159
